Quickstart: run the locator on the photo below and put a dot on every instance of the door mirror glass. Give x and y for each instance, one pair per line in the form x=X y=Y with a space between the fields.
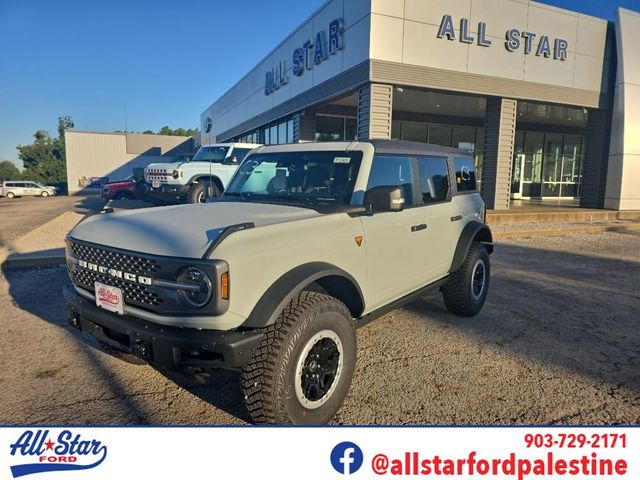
x=231 y=160
x=384 y=199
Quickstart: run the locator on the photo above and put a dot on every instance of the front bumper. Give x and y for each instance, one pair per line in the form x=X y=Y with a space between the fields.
x=166 y=192
x=170 y=347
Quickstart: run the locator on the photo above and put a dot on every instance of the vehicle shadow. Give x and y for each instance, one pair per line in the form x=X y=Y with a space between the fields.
x=221 y=389
x=574 y=311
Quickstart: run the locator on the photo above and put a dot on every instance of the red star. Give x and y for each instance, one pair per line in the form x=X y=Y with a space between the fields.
x=49 y=444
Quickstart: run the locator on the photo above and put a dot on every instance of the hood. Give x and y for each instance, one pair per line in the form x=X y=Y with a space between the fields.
x=164 y=166
x=181 y=230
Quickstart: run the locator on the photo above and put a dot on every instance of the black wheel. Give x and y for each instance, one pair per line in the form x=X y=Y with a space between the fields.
x=199 y=192
x=467 y=290
x=123 y=196
x=303 y=369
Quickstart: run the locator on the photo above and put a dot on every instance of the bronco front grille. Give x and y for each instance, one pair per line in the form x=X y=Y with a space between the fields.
x=134 y=293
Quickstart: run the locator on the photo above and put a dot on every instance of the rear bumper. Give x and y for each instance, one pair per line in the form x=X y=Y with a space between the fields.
x=170 y=347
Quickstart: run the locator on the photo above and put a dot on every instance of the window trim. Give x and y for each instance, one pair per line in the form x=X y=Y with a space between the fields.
x=447 y=162
x=452 y=159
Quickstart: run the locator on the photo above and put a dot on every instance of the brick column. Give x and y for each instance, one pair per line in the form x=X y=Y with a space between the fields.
x=499 y=137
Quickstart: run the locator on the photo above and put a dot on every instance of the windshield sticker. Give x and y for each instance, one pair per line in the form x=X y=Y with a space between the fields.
x=342 y=160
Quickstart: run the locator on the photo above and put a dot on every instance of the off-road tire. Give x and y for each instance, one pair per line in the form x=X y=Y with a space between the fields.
x=123 y=196
x=268 y=380
x=457 y=292
x=199 y=189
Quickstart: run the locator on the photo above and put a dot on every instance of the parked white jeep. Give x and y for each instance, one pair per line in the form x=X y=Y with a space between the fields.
x=307 y=243
x=205 y=176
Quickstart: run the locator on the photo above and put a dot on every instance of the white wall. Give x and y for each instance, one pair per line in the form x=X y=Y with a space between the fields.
x=405 y=31
x=247 y=98
x=623 y=188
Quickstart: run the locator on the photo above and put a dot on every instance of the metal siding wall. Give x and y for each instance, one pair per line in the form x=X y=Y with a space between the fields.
x=595 y=159
x=304 y=128
x=428 y=77
x=500 y=130
x=375 y=106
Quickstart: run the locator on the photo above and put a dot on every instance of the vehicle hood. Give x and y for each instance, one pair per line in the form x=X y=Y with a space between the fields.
x=165 y=166
x=124 y=183
x=180 y=230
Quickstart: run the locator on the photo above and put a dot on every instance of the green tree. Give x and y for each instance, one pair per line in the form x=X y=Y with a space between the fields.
x=44 y=160
x=166 y=130
x=8 y=170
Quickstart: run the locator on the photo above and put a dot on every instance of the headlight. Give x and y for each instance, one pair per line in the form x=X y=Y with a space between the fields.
x=175 y=174
x=200 y=292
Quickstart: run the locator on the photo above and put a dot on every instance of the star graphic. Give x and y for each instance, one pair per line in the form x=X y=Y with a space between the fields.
x=49 y=444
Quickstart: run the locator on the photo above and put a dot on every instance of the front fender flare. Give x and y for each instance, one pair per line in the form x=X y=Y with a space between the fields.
x=472 y=232
x=283 y=290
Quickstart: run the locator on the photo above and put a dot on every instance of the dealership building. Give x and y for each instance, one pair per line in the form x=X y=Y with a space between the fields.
x=548 y=100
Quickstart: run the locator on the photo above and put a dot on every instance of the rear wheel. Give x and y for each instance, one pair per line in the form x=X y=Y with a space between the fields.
x=122 y=196
x=303 y=368
x=200 y=191
x=10 y=195
x=467 y=290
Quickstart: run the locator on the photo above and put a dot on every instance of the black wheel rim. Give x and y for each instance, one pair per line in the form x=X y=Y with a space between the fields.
x=478 y=280
x=320 y=369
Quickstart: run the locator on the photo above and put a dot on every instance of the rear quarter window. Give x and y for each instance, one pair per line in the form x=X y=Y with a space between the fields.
x=465 y=174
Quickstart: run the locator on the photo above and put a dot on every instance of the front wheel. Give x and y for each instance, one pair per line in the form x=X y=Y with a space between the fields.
x=199 y=193
x=44 y=194
x=466 y=291
x=303 y=369
x=10 y=195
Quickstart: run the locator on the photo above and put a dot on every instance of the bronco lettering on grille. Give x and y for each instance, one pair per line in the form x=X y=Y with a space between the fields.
x=112 y=272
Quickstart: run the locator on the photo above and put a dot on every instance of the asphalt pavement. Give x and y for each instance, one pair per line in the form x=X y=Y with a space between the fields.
x=557 y=343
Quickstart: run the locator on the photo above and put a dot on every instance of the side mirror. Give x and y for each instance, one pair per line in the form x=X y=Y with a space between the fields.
x=232 y=160
x=384 y=199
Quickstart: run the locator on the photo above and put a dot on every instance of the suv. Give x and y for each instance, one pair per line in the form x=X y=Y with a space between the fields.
x=11 y=189
x=308 y=242
x=127 y=189
x=204 y=176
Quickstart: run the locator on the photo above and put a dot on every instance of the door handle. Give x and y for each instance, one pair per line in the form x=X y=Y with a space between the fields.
x=417 y=228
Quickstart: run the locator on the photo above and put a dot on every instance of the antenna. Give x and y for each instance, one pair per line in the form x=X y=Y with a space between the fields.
x=125 y=117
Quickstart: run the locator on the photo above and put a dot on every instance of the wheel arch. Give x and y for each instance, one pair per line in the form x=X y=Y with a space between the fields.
x=216 y=180
x=472 y=232
x=333 y=280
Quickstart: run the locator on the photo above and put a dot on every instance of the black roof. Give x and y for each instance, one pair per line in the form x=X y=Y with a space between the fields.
x=403 y=147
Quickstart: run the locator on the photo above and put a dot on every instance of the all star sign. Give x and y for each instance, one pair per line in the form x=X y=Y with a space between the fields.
x=515 y=39
x=312 y=52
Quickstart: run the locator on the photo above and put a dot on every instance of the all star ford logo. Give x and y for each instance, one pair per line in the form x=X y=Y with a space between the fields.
x=112 y=272
x=38 y=451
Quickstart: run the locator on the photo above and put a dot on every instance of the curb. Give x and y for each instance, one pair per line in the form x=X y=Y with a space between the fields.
x=564 y=231
x=32 y=262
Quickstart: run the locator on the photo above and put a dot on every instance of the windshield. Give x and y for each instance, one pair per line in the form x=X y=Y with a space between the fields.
x=211 y=154
x=322 y=178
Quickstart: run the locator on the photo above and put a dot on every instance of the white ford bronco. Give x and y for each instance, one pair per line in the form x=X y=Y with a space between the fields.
x=205 y=176
x=308 y=242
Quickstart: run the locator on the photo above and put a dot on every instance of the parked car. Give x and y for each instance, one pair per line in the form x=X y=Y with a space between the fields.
x=127 y=189
x=308 y=242
x=206 y=175
x=11 y=189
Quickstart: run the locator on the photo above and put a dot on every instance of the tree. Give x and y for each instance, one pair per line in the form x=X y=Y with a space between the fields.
x=44 y=160
x=166 y=130
x=8 y=170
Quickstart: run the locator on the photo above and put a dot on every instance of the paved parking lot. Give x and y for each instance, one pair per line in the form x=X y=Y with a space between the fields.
x=557 y=343
x=19 y=216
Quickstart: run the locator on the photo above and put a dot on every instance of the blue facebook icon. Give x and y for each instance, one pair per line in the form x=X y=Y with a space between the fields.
x=346 y=458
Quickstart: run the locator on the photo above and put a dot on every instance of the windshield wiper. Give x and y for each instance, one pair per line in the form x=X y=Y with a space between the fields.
x=243 y=196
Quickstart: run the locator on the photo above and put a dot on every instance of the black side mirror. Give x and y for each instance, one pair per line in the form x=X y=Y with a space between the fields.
x=232 y=160
x=384 y=199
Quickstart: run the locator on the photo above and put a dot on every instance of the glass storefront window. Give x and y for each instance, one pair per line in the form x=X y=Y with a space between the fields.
x=289 y=131
x=414 y=132
x=273 y=135
x=396 y=130
x=464 y=138
x=351 y=128
x=440 y=135
x=329 y=129
x=282 y=133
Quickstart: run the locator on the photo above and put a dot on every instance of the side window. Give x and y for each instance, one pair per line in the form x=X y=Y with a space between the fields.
x=434 y=177
x=393 y=171
x=465 y=174
x=240 y=153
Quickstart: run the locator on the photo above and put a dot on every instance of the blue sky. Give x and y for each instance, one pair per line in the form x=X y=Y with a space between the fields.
x=165 y=60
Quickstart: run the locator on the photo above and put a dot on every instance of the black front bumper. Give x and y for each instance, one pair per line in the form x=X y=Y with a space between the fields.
x=166 y=192
x=170 y=347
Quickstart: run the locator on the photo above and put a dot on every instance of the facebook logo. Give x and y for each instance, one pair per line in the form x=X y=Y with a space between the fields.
x=346 y=458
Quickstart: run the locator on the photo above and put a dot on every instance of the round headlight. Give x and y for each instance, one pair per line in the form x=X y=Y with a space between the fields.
x=175 y=174
x=200 y=293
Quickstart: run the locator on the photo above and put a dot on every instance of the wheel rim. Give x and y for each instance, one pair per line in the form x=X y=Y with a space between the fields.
x=478 y=280
x=201 y=198
x=318 y=370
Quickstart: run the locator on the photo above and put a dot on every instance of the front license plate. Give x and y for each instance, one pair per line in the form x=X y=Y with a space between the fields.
x=110 y=298
x=155 y=183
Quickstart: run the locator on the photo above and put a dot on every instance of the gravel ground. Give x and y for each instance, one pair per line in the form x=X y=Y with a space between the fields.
x=557 y=343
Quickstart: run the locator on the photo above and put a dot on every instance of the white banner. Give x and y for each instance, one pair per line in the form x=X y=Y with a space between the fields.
x=319 y=452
